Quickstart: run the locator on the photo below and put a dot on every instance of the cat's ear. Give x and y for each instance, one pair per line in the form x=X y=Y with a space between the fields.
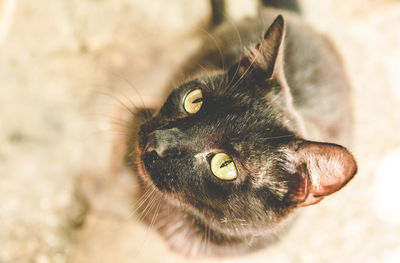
x=266 y=58
x=323 y=169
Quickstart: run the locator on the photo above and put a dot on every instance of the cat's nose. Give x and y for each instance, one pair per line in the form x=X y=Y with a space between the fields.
x=164 y=142
x=152 y=144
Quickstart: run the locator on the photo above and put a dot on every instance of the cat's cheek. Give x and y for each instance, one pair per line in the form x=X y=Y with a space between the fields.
x=160 y=178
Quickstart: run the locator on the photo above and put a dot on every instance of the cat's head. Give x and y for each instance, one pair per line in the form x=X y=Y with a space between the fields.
x=229 y=146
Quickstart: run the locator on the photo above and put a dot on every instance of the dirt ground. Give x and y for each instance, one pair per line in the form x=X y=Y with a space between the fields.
x=69 y=69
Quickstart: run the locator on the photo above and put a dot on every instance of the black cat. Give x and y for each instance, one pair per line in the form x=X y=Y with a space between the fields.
x=247 y=138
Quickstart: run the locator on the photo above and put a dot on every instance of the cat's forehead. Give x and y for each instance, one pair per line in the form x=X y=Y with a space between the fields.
x=230 y=112
x=224 y=101
x=209 y=84
x=224 y=86
x=217 y=84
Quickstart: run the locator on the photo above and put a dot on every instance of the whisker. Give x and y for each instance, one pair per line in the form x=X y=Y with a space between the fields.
x=245 y=72
x=118 y=123
x=154 y=218
x=148 y=114
x=102 y=132
x=217 y=46
x=146 y=111
x=240 y=45
x=142 y=200
x=279 y=137
x=205 y=72
x=148 y=190
x=131 y=85
x=113 y=125
x=147 y=209
x=129 y=100
x=152 y=222
x=119 y=101
x=221 y=53
x=102 y=115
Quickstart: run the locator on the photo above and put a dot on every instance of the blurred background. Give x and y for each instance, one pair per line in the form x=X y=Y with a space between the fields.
x=69 y=69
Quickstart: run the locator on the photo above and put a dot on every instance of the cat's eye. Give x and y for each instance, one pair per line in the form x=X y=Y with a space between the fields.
x=223 y=167
x=193 y=101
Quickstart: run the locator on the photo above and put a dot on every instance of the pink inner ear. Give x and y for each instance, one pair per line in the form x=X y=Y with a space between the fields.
x=325 y=169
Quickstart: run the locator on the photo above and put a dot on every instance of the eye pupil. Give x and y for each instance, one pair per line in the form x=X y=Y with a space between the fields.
x=198 y=100
x=225 y=163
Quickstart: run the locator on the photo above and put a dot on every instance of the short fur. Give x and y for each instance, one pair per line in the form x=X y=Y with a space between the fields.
x=273 y=99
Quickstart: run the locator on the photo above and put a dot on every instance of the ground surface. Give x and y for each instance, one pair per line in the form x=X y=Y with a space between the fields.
x=67 y=66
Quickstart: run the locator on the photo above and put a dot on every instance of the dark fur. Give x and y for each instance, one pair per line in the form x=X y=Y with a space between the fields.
x=249 y=112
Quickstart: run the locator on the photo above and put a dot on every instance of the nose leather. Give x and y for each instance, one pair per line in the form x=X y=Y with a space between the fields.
x=164 y=141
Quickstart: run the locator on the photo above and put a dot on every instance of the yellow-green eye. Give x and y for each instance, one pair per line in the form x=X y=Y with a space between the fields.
x=193 y=101
x=223 y=167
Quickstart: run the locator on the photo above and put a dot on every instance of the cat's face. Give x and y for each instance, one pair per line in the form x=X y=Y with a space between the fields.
x=179 y=149
x=228 y=148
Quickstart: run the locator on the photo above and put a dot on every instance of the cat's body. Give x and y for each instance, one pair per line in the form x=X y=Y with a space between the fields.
x=263 y=121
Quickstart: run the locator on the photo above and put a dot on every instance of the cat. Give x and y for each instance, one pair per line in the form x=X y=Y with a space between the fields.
x=252 y=134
